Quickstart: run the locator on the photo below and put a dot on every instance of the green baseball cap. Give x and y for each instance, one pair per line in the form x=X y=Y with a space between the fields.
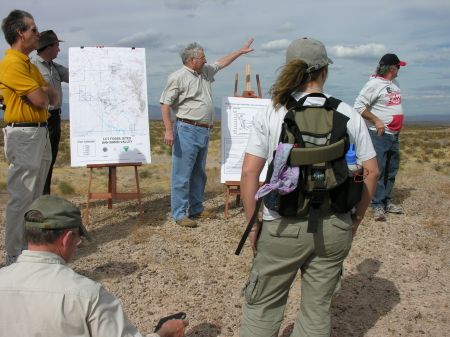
x=58 y=213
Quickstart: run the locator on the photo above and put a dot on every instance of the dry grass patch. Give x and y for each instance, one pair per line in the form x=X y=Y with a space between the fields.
x=140 y=234
x=66 y=188
x=439 y=225
x=444 y=187
x=426 y=145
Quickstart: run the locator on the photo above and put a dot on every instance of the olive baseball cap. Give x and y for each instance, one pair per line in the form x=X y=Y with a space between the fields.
x=58 y=213
x=47 y=37
x=311 y=51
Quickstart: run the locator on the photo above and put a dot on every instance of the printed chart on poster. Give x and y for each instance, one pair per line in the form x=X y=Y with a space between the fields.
x=237 y=120
x=108 y=106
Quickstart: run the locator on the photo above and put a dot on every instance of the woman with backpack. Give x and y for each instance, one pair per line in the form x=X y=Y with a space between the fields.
x=283 y=245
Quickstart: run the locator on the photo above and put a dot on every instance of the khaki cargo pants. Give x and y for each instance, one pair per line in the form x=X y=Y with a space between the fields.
x=29 y=153
x=284 y=247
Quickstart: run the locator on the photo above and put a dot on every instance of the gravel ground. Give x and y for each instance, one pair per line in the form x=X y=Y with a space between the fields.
x=395 y=282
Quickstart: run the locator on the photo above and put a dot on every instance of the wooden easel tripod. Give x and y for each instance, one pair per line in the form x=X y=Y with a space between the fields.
x=248 y=93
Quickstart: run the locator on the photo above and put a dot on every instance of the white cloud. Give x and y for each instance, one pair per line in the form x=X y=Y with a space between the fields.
x=75 y=29
x=183 y=4
x=362 y=51
x=445 y=50
x=148 y=39
x=175 y=48
x=434 y=89
x=433 y=96
x=337 y=67
x=287 y=27
x=275 y=46
x=430 y=59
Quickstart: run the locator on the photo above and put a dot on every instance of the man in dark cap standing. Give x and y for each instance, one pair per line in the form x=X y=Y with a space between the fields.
x=380 y=104
x=47 y=297
x=54 y=73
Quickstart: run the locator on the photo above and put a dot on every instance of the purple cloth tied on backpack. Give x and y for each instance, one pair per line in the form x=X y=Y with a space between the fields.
x=284 y=178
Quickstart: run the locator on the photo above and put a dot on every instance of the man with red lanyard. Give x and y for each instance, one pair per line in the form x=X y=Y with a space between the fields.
x=380 y=104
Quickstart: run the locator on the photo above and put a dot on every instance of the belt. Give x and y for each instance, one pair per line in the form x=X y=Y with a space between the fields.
x=27 y=124
x=195 y=123
x=55 y=112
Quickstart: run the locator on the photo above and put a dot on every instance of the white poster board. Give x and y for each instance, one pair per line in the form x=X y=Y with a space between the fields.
x=237 y=120
x=108 y=106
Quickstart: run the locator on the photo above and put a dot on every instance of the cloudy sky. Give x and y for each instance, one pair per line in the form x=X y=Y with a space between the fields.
x=356 y=34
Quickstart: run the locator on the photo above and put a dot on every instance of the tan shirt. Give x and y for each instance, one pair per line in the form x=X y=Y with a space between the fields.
x=188 y=93
x=53 y=73
x=41 y=296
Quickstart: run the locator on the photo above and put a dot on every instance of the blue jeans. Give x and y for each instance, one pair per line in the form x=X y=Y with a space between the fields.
x=188 y=169
x=388 y=159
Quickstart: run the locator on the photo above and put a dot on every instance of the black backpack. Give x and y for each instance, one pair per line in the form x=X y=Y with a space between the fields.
x=321 y=142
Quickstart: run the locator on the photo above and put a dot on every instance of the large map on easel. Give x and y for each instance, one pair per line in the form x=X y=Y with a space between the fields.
x=108 y=106
x=237 y=119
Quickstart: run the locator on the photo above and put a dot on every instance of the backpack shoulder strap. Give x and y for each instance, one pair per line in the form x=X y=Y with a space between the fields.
x=334 y=102
x=249 y=226
x=329 y=101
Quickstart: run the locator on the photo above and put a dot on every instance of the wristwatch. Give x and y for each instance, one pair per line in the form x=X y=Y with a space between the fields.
x=357 y=217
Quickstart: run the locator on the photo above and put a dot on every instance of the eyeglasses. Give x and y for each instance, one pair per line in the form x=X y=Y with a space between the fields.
x=35 y=30
x=200 y=58
x=398 y=67
x=77 y=233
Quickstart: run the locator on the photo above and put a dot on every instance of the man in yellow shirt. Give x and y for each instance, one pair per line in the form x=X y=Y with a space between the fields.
x=27 y=148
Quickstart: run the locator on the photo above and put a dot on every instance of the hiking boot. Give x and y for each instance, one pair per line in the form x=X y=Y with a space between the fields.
x=378 y=214
x=204 y=215
x=186 y=222
x=391 y=208
x=11 y=259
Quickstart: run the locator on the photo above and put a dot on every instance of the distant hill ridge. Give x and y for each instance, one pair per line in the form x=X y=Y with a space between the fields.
x=154 y=112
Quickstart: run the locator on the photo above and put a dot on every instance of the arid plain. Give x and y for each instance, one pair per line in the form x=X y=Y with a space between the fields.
x=396 y=280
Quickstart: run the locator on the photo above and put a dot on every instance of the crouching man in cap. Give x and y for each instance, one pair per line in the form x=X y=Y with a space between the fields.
x=47 y=297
